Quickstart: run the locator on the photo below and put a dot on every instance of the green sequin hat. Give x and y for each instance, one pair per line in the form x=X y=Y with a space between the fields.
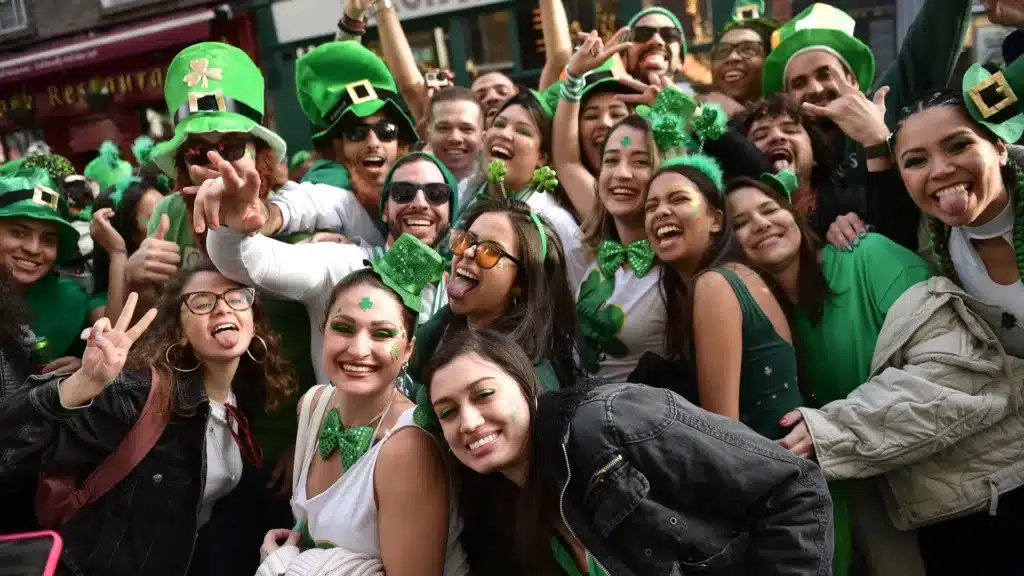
x=108 y=168
x=449 y=179
x=32 y=193
x=58 y=167
x=784 y=182
x=819 y=27
x=213 y=87
x=339 y=78
x=407 y=268
x=675 y=20
x=1005 y=123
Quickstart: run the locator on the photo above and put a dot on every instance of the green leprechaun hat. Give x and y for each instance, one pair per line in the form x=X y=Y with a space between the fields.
x=992 y=102
x=338 y=78
x=747 y=14
x=819 y=27
x=213 y=87
x=32 y=193
x=407 y=268
x=784 y=182
x=108 y=168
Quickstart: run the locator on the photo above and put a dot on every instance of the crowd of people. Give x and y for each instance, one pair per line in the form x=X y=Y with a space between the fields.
x=608 y=325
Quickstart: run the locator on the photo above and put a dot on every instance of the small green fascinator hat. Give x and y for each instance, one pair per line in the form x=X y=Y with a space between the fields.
x=407 y=268
x=784 y=182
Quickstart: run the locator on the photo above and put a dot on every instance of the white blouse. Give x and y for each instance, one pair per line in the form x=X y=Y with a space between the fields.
x=223 y=458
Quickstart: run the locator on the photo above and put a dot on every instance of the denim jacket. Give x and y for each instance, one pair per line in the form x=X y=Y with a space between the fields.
x=148 y=523
x=651 y=484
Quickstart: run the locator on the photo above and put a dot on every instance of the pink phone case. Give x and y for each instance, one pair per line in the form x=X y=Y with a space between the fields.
x=52 y=558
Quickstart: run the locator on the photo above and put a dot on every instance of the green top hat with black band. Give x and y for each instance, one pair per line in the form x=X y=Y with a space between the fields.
x=32 y=193
x=819 y=27
x=784 y=182
x=213 y=87
x=338 y=78
x=992 y=101
x=407 y=268
x=108 y=168
x=449 y=179
x=668 y=14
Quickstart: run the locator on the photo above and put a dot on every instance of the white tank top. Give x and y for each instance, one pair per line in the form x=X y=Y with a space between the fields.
x=345 y=515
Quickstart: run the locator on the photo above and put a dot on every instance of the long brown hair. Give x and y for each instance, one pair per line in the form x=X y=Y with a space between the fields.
x=271 y=380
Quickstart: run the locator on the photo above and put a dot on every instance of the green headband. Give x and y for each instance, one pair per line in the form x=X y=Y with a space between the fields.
x=543 y=237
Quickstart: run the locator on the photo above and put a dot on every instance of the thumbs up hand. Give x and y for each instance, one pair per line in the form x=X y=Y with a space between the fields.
x=157 y=259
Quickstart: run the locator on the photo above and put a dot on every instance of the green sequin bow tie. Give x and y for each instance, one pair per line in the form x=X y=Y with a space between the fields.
x=611 y=255
x=352 y=442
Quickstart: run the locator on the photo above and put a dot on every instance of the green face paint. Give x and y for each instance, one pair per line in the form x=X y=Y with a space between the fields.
x=626 y=141
x=393 y=350
x=250 y=151
x=365 y=303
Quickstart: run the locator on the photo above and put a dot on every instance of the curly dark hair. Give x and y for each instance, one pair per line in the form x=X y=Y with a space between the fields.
x=268 y=383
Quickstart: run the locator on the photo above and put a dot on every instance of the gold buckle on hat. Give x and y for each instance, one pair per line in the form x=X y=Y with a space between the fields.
x=195 y=97
x=353 y=89
x=747 y=11
x=44 y=196
x=1002 y=88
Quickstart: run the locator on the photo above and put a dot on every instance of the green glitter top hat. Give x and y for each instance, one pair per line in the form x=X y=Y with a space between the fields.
x=407 y=268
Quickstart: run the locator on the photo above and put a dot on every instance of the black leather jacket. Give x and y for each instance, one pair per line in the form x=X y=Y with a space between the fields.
x=149 y=523
x=651 y=484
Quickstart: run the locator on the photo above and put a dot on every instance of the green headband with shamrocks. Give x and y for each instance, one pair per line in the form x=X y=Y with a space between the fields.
x=544 y=180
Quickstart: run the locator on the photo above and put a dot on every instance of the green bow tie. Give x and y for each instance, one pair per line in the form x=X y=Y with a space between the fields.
x=353 y=442
x=611 y=255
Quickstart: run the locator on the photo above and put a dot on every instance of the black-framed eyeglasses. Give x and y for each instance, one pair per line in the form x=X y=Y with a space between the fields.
x=746 y=49
x=386 y=131
x=487 y=254
x=437 y=193
x=230 y=148
x=669 y=34
x=202 y=303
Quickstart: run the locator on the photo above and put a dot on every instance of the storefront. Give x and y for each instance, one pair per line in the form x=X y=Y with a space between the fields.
x=76 y=94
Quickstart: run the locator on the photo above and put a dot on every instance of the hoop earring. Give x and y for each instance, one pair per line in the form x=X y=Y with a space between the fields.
x=167 y=356
x=266 y=351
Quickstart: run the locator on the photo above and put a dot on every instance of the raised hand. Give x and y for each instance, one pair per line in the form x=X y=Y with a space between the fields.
x=104 y=233
x=105 y=353
x=156 y=260
x=648 y=93
x=1005 y=12
x=861 y=119
x=229 y=195
x=356 y=9
x=593 y=52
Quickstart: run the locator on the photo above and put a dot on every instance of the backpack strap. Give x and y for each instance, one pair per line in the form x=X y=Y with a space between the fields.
x=133 y=448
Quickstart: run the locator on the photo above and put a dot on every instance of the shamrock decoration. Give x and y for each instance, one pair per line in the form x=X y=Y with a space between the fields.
x=709 y=124
x=672 y=109
x=201 y=73
x=496 y=172
x=626 y=141
x=600 y=322
x=545 y=179
x=365 y=303
x=393 y=350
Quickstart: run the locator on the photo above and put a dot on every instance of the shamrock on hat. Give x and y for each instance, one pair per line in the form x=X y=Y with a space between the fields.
x=213 y=87
x=108 y=168
x=819 y=27
x=340 y=78
x=31 y=193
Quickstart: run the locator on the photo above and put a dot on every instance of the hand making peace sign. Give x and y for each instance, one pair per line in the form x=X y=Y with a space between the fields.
x=593 y=52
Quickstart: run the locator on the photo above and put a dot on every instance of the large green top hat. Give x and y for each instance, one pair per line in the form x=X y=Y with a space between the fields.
x=819 y=27
x=213 y=87
x=407 y=268
x=108 y=169
x=991 y=101
x=339 y=78
x=449 y=179
x=32 y=193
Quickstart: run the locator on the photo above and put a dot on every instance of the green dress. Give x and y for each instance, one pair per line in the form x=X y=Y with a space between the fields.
x=768 y=372
x=60 y=310
x=836 y=352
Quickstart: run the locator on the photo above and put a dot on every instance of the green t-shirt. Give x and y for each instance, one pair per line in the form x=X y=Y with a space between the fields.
x=275 y=431
x=836 y=354
x=60 y=310
x=568 y=565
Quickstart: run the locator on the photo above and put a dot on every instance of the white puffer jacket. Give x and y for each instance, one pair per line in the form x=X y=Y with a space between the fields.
x=940 y=421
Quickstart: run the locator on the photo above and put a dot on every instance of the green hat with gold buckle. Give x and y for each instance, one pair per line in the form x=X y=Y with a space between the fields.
x=339 y=78
x=407 y=268
x=32 y=193
x=819 y=27
x=992 y=101
x=213 y=87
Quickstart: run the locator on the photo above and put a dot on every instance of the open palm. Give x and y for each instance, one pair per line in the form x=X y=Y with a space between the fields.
x=107 y=347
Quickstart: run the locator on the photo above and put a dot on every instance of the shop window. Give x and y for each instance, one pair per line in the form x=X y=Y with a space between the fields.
x=12 y=16
x=487 y=53
x=424 y=48
x=695 y=16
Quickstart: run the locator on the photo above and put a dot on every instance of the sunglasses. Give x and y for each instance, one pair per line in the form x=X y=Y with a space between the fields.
x=437 y=193
x=203 y=303
x=747 y=49
x=230 y=149
x=385 y=130
x=487 y=253
x=669 y=34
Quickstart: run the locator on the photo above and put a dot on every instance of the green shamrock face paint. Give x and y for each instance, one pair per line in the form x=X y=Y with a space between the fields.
x=626 y=141
x=393 y=350
x=365 y=303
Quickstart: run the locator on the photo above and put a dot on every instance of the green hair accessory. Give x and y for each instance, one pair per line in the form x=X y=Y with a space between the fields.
x=709 y=123
x=164 y=181
x=543 y=236
x=56 y=165
x=110 y=153
x=496 y=172
x=702 y=163
x=545 y=179
x=784 y=182
x=117 y=196
x=423 y=416
x=678 y=122
x=142 y=149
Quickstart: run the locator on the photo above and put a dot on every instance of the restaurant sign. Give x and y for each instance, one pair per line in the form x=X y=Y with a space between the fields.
x=69 y=98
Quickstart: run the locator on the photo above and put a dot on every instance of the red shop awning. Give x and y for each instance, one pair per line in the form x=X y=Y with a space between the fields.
x=180 y=29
